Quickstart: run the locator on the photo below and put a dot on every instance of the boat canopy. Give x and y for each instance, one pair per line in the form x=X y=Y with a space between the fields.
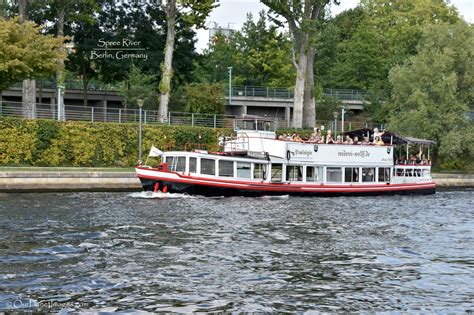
x=389 y=137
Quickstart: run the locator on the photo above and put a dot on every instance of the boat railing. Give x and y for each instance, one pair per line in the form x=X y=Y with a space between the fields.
x=412 y=170
x=239 y=143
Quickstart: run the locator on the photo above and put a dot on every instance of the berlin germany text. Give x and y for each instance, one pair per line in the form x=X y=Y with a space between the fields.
x=125 y=48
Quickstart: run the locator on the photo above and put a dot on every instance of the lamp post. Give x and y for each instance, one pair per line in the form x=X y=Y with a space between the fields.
x=343 y=111
x=335 y=115
x=60 y=90
x=140 y=105
x=230 y=84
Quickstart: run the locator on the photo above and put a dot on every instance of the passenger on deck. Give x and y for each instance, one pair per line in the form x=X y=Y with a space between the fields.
x=348 y=140
x=322 y=141
x=378 y=141
x=356 y=140
x=378 y=134
x=339 y=139
x=282 y=137
x=366 y=140
x=329 y=138
x=316 y=136
x=297 y=138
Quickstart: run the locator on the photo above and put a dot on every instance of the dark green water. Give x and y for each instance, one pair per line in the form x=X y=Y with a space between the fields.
x=105 y=252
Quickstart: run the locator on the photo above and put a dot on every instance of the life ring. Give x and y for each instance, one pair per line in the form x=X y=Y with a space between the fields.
x=288 y=155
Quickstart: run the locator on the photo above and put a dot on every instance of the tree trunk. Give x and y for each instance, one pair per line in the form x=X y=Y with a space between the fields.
x=60 y=72
x=29 y=99
x=299 y=90
x=309 y=104
x=165 y=84
x=29 y=86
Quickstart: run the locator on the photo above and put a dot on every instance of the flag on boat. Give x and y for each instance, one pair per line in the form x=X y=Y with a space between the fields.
x=155 y=152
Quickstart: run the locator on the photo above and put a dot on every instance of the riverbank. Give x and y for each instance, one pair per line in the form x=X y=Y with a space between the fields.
x=22 y=179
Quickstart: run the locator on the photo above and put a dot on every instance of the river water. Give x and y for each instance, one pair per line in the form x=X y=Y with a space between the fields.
x=104 y=252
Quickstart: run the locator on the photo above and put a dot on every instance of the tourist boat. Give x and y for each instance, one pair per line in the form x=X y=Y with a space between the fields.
x=254 y=162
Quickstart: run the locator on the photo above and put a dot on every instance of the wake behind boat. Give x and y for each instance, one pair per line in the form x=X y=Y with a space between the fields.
x=255 y=163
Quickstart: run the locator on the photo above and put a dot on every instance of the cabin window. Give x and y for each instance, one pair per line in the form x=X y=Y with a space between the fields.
x=226 y=168
x=244 y=170
x=294 y=173
x=259 y=171
x=368 y=174
x=208 y=166
x=384 y=174
x=277 y=172
x=426 y=173
x=334 y=174
x=314 y=174
x=192 y=164
x=351 y=175
x=181 y=164
x=169 y=160
x=176 y=163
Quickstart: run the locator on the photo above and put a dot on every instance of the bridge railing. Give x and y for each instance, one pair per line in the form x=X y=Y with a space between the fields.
x=236 y=90
x=287 y=93
x=72 y=85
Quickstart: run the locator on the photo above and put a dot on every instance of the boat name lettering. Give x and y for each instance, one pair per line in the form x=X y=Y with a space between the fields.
x=361 y=153
x=303 y=152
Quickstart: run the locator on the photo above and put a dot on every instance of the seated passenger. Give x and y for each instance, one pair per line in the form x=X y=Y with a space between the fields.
x=378 y=141
x=322 y=141
x=356 y=140
x=348 y=140
x=366 y=140
x=316 y=136
x=339 y=139
x=329 y=138
x=297 y=138
x=282 y=136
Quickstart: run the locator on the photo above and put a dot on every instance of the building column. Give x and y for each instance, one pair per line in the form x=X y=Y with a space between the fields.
x=104 y=107
x=288 y=117
x=52 y=103
x=244 y=109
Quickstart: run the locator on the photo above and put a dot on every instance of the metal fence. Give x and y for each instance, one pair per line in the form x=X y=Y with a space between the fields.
x=120 y=115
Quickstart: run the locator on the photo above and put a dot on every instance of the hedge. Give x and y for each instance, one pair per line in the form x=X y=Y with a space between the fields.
x=51 y=143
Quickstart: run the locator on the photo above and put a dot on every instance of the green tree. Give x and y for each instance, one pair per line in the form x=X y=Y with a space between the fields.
x=374 y=37
x=303 y=18
x=432 y=92
x=139 y=85
x=190 y=12
x=25 y=52
x=258 y=53
x=206 y=98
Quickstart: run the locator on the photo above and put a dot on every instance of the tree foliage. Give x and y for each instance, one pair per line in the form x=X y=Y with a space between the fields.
x=364 y=43
x=25 y=53
x=138 y=85
x=433 y=91
x=206 y=98
x=259 y=55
